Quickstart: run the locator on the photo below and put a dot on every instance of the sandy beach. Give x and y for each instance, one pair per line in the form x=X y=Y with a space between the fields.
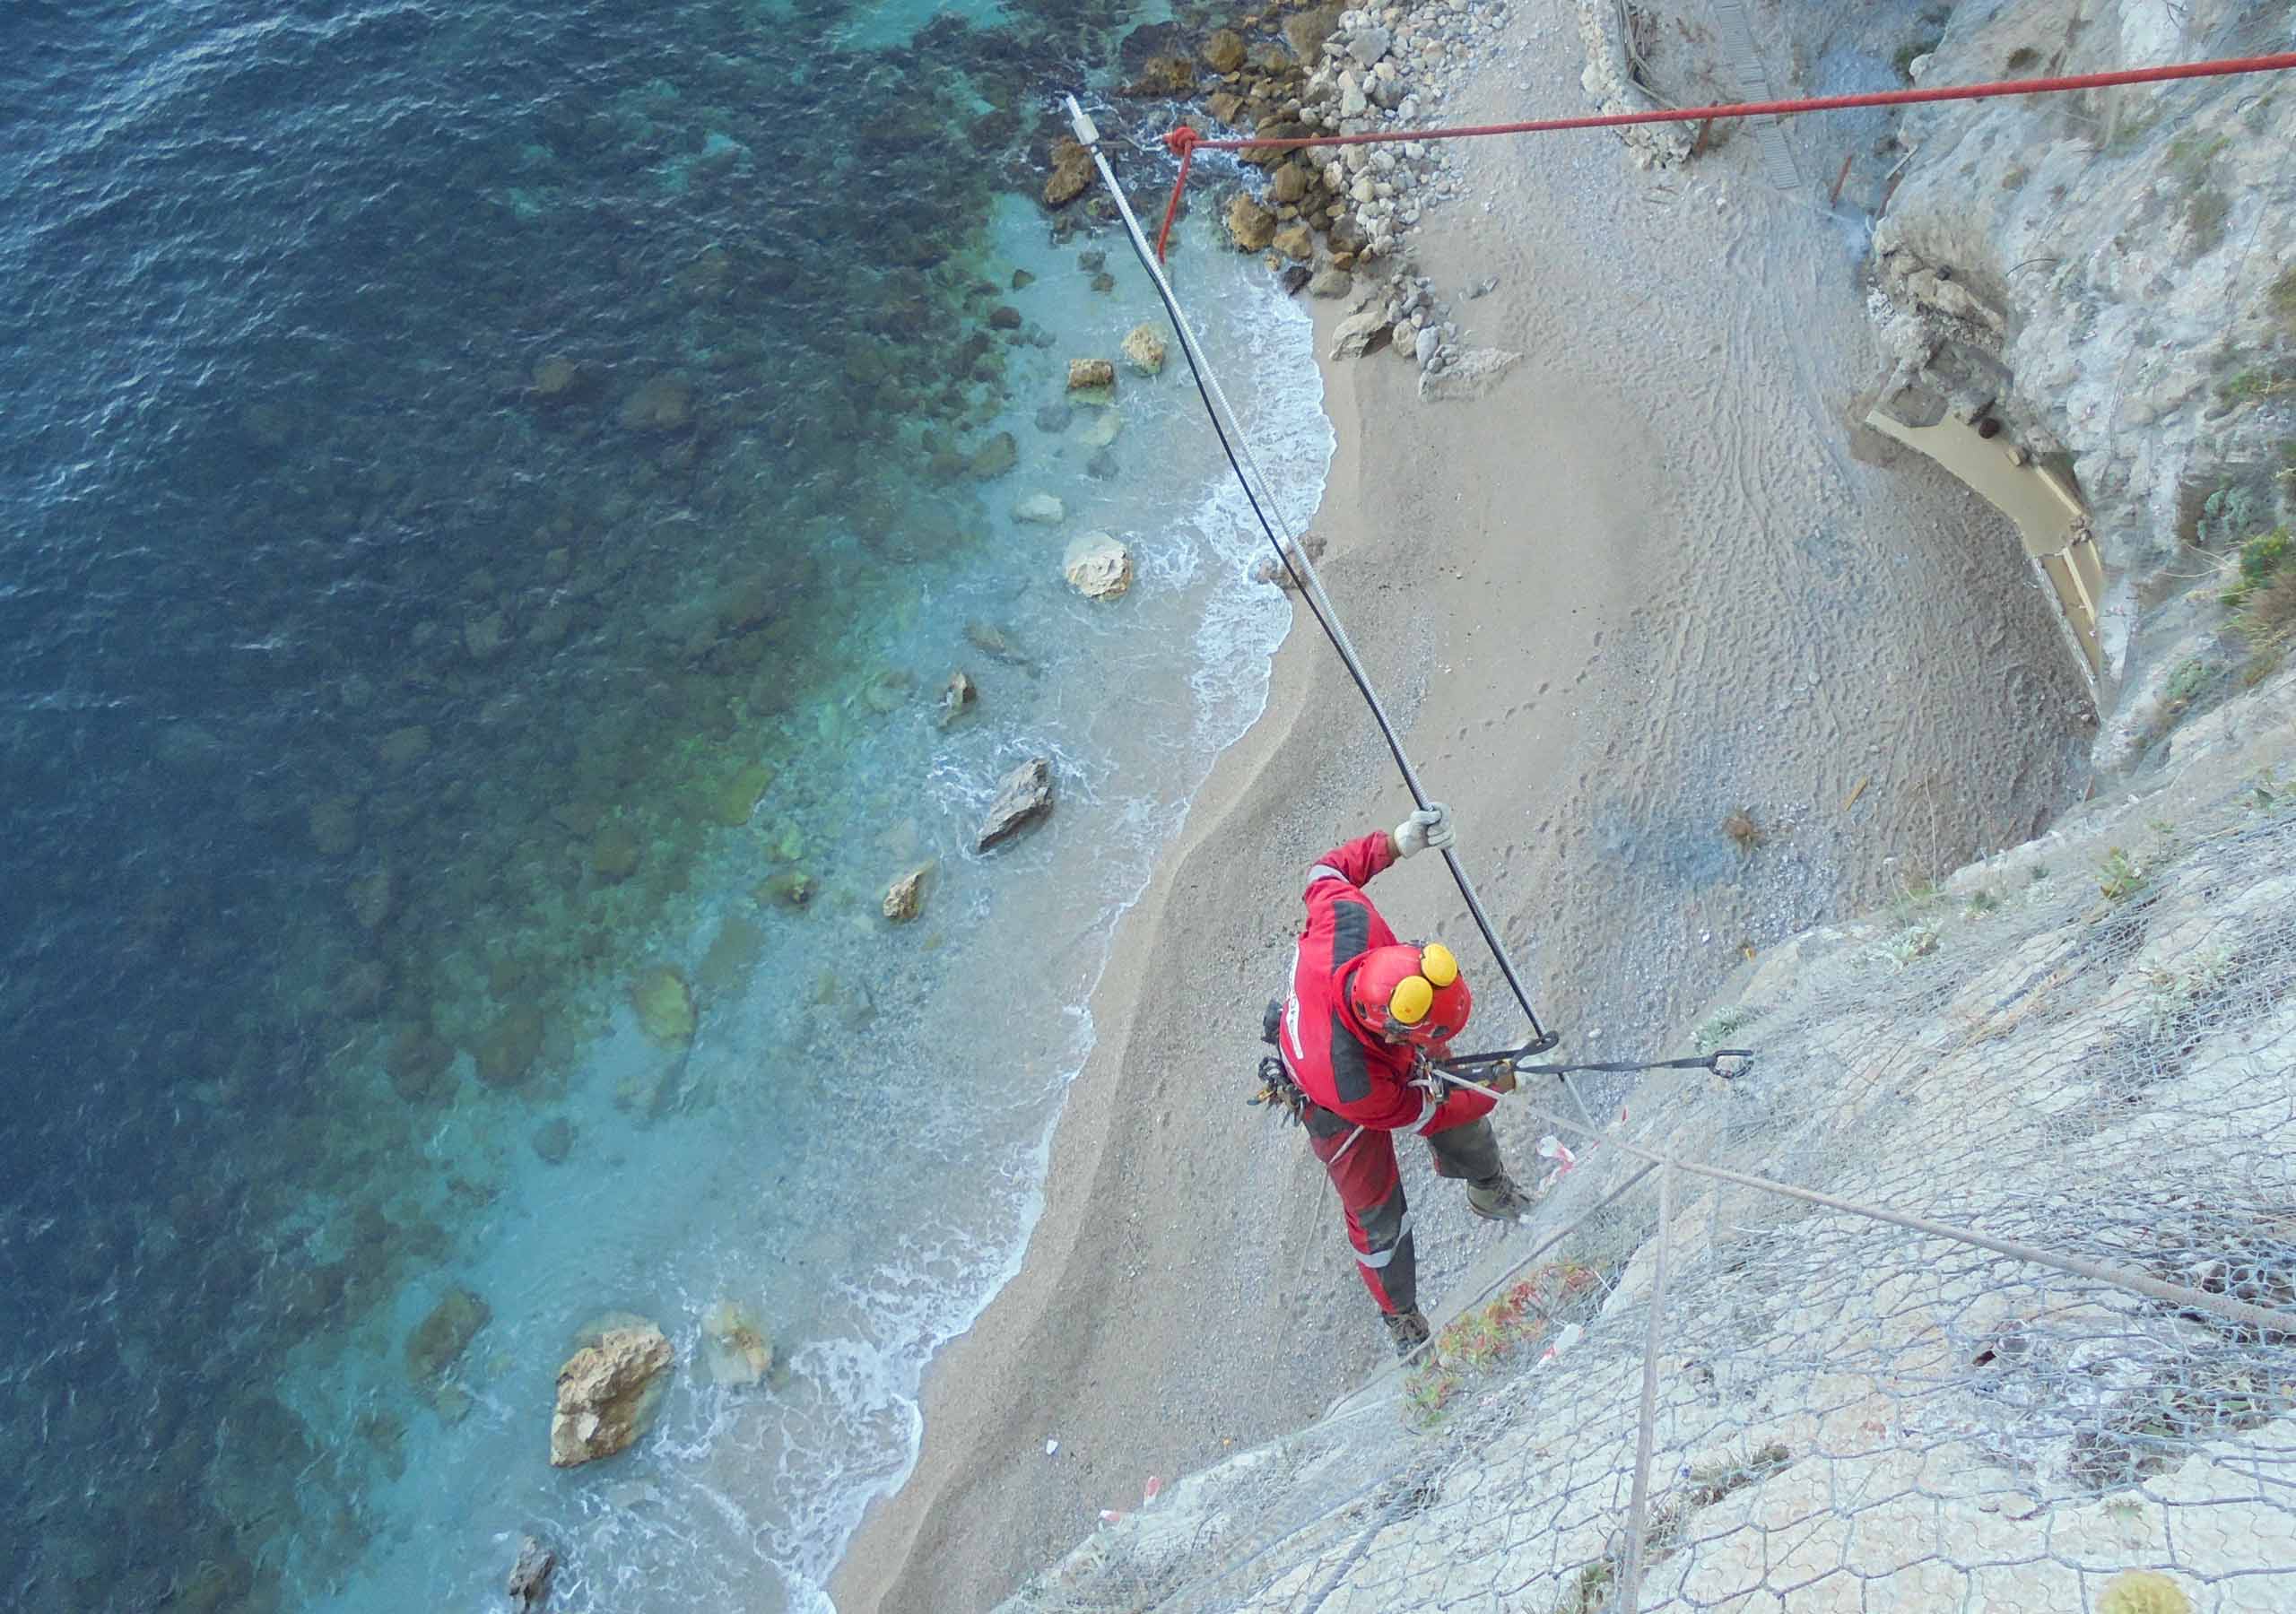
x=1649 y=578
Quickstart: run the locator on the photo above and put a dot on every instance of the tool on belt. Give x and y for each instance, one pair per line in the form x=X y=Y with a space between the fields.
x=1277 y=1090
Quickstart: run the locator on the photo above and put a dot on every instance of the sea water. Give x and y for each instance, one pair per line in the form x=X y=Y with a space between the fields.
x=495 y=494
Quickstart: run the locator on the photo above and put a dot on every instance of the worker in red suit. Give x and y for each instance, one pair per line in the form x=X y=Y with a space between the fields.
x=1363 y=1006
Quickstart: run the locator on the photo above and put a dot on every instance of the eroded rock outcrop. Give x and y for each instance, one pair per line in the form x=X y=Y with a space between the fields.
x=607 y=1393
x=1024 y=798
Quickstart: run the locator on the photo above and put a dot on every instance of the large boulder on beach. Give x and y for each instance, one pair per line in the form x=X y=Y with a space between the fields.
x=1097 y=567
x=1361 y=334
x=607 y=1393
x=1250 y=226
x=1024 y=797
x=1306 y=31
x=1297 y=242
x=1223 y=52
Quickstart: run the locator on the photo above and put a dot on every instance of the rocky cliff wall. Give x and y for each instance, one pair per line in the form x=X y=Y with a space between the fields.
x=2084 y=1045
x=2110 y=274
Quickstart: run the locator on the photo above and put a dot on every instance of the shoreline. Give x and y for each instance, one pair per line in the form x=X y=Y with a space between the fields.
x=968 y=1402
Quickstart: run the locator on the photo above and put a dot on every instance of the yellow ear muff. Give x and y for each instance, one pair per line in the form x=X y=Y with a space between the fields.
x=1436 y=964
x=1412 y=998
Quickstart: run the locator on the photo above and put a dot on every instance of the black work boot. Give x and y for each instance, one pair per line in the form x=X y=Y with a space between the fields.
x=1407 y=1329
x=1497 y=1199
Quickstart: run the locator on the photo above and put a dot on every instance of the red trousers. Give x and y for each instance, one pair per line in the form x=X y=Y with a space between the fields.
x=1371 y=1187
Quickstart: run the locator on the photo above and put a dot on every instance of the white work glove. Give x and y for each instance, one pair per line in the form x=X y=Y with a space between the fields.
x=1431 y=826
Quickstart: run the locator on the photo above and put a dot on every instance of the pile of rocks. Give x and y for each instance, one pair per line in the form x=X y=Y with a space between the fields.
x=1384 y=68
x=1403 y=317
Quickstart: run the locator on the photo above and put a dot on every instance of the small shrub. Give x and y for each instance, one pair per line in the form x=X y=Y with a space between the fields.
x=2262 y=558
x=2254 y=386
x=2023 y=57
x=2120 y=876
x=1915 y=942
x=1743 y=832
x=2191 y=153
x=1984 y=900
x=2205 y=210
x=1479 y=1339
x=2188 y=681
x=2271 y=610
x=1726 y=1024
x=1912 y=49
x=2280 y=297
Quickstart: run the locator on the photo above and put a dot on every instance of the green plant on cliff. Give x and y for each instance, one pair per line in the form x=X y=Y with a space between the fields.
x=2268 y=622
x=1723 y=1024
x=2280 y=297
x=1478 y=1339
x=2255 y=384
x=2261 y=559
x=2120 y=876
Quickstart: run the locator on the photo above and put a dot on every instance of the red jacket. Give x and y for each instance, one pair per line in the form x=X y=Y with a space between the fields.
x=1354 y=1073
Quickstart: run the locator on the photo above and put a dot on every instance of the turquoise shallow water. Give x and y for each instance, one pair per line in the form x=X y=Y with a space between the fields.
x=494 y=495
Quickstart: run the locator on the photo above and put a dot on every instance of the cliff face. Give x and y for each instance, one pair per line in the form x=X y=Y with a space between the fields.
x=2078 y=1052
x=2081 y=1048
x=2108 y=275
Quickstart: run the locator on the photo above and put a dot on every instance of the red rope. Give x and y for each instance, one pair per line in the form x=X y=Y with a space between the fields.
x=2226 y=68
x=1183 y=140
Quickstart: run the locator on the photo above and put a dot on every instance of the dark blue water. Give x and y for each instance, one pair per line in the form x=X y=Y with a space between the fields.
x=488 y=488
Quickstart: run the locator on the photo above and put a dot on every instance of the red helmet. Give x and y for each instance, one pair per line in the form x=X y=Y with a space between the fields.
x=1415 y=994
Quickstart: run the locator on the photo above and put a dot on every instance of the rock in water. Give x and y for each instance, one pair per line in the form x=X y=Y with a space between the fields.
x=1043 y=508
x=1099 y=567
x=1223 y=52
x=1072 y=173
x=334 y=826
x=1145 y=350
x=443 y=1335
x=1091 y=372
x=665 y=1006
x=664 y=403
x=905 y=897
x=992 y=640
x=997 y=455
x=607 y=1393
x=508 y=1049
x=1250 y=226
x=957 y=697
x=1024 y=797
x=529 y=1586
x=738 y=1351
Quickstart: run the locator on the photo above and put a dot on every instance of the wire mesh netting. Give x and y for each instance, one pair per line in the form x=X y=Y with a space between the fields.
x=2040 y=1355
